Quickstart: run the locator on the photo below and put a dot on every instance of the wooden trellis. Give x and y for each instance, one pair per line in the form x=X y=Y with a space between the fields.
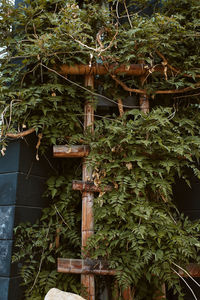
x=86 y=267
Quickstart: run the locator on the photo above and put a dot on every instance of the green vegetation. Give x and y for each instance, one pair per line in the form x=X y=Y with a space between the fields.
x=138 y=228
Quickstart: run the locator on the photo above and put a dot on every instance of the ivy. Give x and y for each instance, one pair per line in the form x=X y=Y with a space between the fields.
x=138 y=228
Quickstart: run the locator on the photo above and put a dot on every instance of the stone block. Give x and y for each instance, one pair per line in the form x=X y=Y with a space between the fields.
x=55 y=294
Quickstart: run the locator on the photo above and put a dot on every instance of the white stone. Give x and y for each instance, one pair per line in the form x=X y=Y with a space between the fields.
x=56 y=294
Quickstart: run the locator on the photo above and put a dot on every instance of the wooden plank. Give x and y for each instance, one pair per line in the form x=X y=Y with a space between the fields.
x=100 y=267
x=71 y=151
x=84 y=266
x=89 y=187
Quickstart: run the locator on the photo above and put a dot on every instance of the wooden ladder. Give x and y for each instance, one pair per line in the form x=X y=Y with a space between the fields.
x=86 y=267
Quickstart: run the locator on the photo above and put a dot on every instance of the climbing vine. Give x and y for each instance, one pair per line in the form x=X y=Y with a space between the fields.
x=138 y=228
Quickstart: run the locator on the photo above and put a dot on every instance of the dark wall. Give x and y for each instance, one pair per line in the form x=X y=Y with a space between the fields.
x=22 y=183
x=188 y=198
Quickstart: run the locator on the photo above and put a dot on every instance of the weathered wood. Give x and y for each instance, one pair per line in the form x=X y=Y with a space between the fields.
x=100 y=267
x=144 y=99
x=161 y=294
x=120 y=107
x=87 y=197
x=144 y=103
x=71 y=151
x=84 y=266
x=99 y=69
x=89 y=187
x=128 y=294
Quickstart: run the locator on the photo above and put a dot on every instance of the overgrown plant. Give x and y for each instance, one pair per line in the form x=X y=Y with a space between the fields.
x=138 y=228
x=56 y=234
x=140 y=155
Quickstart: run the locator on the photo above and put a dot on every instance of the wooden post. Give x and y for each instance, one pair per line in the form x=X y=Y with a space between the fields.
x=144 y=103
x=87 y=197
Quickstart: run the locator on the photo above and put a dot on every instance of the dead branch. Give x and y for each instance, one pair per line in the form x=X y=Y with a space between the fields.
x=101 y=48
x=100 y=43
x=142 y=91
x=40 y=135
x=20 y=134
x=128 y=16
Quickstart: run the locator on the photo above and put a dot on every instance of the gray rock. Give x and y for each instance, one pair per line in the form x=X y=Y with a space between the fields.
x=55 y=294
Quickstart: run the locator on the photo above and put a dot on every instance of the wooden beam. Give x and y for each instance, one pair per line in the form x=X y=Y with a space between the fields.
x=71 y=151
x=89 y=187
x=99 y=69
x=83 y=266
x=99 y=267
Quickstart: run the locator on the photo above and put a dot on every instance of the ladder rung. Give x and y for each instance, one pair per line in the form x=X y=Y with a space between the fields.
x=87 y=266
x=71 y=151
x=89 y=186
x=84 y=266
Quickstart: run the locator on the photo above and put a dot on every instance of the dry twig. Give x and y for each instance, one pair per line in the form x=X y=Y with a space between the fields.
x=20 y=134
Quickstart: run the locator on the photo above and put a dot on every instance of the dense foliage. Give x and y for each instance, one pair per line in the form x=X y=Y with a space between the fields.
x=57 y=234
x=138 y=228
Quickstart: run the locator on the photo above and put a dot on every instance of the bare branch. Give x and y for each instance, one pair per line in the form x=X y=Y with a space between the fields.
x=20 y=134
x=142 y=91
x=127 y=13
